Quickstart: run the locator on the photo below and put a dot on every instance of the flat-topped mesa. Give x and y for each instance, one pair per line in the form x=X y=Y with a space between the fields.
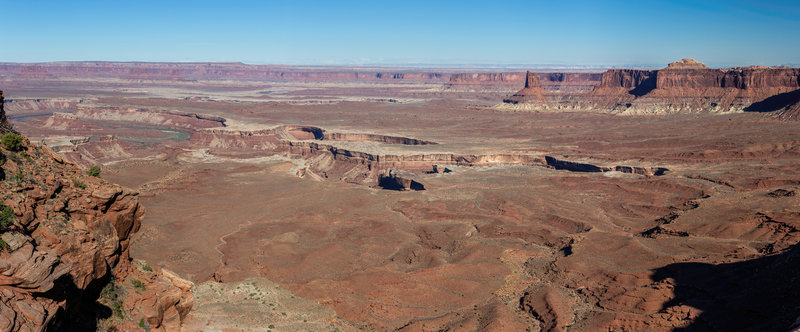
x=550 y=82
x=683 y=86
x=487 y=79
x=568 y=83
x=213 y=71
x=743 y=78
x=532 y=92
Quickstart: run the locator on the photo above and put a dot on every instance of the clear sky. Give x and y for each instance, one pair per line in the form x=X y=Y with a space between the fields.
x=381 y=32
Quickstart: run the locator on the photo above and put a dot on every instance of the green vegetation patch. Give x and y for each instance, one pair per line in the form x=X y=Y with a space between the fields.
x=93 y=171
x=7 y=217
x=138 y=284
x=12 y=141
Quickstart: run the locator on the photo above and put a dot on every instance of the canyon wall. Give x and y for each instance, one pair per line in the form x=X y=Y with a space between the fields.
x=567 y=83
x=487 y=79
x=684 y=86
x=554 y=82
x=322 y=158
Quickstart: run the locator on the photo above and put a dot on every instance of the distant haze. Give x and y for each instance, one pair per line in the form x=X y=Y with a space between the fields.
x=405 y=33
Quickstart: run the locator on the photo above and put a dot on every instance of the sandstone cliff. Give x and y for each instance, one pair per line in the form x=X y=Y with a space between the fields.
x=531 y=93
x=65 y=237
x=683 y=86
x=487 y=79
x=552 y=82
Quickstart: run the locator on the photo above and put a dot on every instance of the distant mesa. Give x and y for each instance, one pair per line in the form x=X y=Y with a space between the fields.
x=685 y=86
x=687 y=63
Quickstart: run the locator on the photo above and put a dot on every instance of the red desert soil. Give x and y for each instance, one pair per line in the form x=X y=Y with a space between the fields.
x=286 y=195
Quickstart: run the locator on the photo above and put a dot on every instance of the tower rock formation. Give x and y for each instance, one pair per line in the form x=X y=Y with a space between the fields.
x=532 y=92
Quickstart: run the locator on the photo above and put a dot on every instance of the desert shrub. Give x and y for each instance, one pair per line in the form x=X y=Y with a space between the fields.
x=116 y=307
x=7 y=217
x=108 y=292
x=18 y=178
x=144 y=267
x=3 y=245
x=110 y=296
x=138 y=284
x=93 y=171
x=78 y=184
x=12 y=141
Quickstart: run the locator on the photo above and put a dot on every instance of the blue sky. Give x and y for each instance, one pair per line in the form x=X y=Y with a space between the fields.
x=720 y=33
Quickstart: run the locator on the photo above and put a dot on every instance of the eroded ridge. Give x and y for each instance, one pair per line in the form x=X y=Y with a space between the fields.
x=327 y=160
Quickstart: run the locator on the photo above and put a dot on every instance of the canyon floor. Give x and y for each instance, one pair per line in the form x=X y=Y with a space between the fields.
x=279 y=233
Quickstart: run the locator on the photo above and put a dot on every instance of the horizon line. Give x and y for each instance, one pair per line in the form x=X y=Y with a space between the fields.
x=400 y=65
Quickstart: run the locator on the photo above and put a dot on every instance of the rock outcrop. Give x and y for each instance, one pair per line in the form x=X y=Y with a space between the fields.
x=392 y=181
x=4 y=125
x=683 y=86
x=67 y=239
x=531 y=93
x=686 y=63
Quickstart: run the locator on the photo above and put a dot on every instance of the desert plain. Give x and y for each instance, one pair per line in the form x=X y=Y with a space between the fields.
x=339 y=198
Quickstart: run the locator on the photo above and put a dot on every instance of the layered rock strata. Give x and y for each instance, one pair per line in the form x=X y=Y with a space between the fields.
x=553 y=82
x=684 y=86
x=66 y=240
x=369 y=168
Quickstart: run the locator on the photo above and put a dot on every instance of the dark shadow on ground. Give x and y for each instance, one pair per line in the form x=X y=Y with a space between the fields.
x=776 y=102
x=756 y=295
x=82 y=308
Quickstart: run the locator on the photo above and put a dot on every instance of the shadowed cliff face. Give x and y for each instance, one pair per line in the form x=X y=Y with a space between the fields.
x=634 y=82
x=4 y=125
x=785 y=105
x=756 y=295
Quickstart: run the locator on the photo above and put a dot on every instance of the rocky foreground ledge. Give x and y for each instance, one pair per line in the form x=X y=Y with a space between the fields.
x=64 y=262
